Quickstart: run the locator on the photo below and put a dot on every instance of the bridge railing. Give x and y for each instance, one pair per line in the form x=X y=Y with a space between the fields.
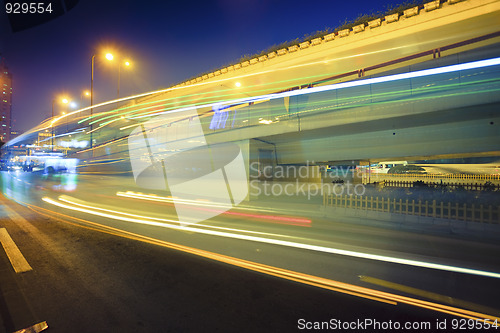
x=485 y=186
x=451 y=178
x=444 y=210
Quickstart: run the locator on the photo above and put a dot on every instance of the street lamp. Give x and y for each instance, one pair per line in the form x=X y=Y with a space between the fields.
x=72 y=105
x=109 y=57
x=91 y=96
x=127 y=64
x=84 y=93
x=62 y=100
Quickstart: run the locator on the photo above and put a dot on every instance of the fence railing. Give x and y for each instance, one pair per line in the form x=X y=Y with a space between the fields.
x=433 y=176
x=465 y=185
x=455 y=211
x=468 y=182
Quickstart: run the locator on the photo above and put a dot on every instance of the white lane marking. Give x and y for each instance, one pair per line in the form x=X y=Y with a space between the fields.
x=15 y=256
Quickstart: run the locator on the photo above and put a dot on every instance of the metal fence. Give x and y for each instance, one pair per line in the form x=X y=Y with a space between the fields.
x=453 y=186
x=464 y=212
x=494 y=178
x=453 y=180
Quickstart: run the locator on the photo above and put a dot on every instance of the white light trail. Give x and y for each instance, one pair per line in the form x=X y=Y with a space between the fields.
x=150 y=197
x=140 y=218
x=317 y=248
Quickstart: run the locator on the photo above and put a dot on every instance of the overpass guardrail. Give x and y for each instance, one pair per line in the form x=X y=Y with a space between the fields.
x=450 y=179
x=445 y=210
x=486 y=186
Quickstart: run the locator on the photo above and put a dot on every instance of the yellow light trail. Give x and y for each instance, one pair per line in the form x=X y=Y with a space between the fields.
x=150 y=197
x=153 y=197
x=221 y=90
x=141 y=218
x=410 y=262
x=165 y=107
x=199 y=203
x=426 y=294
x=312 y=280
x=216 y=82
x=205 y=93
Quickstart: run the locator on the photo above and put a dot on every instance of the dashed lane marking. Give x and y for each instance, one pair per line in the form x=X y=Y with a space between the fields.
x=15 y=256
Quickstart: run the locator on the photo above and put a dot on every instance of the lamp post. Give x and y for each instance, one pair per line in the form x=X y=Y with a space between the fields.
x=91 y=95
x=85 y=93
x=72 y=105
x=52 y=127
x=108 y=56
x=65 y=101
x=126 y=63
x=64 y=113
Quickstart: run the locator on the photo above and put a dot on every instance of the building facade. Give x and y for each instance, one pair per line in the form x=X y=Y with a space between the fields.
x=5 y=102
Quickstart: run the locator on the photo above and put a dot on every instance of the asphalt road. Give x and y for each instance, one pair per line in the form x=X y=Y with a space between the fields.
x=84 y=280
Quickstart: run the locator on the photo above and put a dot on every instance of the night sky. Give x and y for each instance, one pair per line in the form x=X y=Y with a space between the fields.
x=166 y=41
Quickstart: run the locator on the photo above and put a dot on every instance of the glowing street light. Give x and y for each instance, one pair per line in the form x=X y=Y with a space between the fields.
x=64 y=101
x=110 y=57
x=127 y=64
x=91 y=96
x=73 y=105
x=84 y=93
x=121 y=63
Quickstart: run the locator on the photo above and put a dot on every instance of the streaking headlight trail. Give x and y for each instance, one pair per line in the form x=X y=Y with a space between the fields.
x=69 y=204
